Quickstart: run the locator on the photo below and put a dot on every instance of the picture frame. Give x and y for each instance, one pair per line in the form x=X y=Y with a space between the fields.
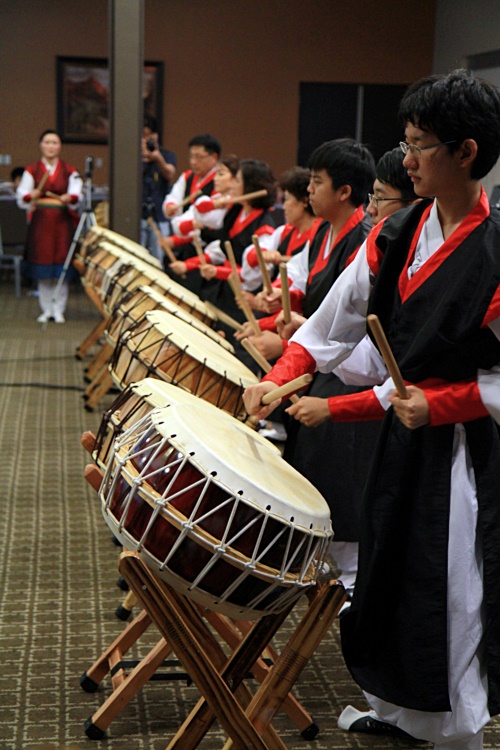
x=83 y=96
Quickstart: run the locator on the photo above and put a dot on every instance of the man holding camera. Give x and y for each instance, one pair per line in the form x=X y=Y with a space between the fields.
x=158 y=172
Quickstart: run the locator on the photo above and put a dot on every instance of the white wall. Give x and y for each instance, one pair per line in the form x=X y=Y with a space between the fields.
x=465 y=28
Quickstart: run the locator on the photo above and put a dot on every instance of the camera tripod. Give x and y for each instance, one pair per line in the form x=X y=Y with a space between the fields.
x=87 y=220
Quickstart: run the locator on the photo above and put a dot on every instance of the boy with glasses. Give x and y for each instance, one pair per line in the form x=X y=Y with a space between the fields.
x=422 y=637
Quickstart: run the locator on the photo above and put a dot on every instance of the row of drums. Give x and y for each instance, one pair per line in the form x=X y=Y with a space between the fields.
x=187 y=482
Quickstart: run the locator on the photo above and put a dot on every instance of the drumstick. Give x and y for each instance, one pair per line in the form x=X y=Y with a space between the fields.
x=262 y=362
x=223 y=317
x=159 y=237
x=189 y=198
x=266 y=281
x=294 y=385
x=52 y=195
x=249 y=196
x=285 y=293
x=42 y=181
x=385 y=350
x=235 y=284
x=199 y=251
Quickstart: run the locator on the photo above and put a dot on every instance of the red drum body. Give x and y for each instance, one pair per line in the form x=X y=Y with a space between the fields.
x=224 y=520
x=165 y=347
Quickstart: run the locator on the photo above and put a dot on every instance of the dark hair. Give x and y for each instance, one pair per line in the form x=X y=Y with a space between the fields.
x=296 y=181
x=390 y=171
x=209 y=142
x=346 y=162
x=232 y=162
x=49 y=131
x=16 y=172
x=150 y=122
x=257 y=175
x=455 y=107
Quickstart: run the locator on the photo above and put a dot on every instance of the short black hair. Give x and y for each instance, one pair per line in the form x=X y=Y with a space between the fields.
x=151 y=123
x=455 y=107
x=49 y=131
x=296 y=182
x=16 y=172
x=210 y=143
x=258 y=175
x=346 y=162
x=390 y=171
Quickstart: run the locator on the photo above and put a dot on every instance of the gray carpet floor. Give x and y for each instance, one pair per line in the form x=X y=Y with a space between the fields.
x=58 y=592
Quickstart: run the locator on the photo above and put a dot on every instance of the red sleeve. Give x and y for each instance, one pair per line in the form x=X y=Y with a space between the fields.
x=297 y=300
x=193 y=263
x=204 y=206
x=268 y=323
x=178 y=241
x=356 y=407
x=186 y=226
x=454 y=403
x=251 y=258
x=224 y=272
x=295 y=361
x=73 y=199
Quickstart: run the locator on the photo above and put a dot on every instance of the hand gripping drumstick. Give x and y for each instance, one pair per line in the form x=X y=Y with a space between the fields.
x=385 y=350
x=41 y=184
x=285 y=295
x=262 y=362
x=294 y=385
x=266 y=281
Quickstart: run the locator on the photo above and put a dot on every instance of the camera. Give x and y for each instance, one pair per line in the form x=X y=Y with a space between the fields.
x=150 y=145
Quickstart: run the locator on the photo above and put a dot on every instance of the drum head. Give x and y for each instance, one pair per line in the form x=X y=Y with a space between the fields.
x=171 y=307
x=244 y=465
x=161 y=394
x=201 y=348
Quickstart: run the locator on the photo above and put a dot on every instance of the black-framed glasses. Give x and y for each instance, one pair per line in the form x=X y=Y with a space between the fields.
x=376 y=200
x=417 y=150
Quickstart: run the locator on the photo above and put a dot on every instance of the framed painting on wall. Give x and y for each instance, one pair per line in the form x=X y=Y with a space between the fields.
x=83 y=96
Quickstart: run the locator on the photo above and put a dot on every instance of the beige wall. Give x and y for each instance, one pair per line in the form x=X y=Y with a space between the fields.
x=232 y=67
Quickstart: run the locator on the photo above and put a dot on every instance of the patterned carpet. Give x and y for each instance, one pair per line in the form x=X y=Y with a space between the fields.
x=58 y=588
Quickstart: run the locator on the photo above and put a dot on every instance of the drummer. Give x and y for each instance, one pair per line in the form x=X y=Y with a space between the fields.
x=422 y=636
x=204 y=153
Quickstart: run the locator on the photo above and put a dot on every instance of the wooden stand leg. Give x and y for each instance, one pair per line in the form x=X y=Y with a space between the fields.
x=92 y=677
x=98 y=389
x=299 y=649
x=291 y=706
x=180 y=624
x=99 y=360
x=91 y=339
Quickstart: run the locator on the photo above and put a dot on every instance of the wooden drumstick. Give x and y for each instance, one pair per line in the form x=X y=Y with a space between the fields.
x=386 y=352
x=223 y=317
x=52 y=195
x=159 y=237
x=40 y=185
x=266 y=281
x=285 y=294
x=235 y=284
x=249 y=196
x=189 y=198
x=262 y=362
x=294 y=385
x=199 y=251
